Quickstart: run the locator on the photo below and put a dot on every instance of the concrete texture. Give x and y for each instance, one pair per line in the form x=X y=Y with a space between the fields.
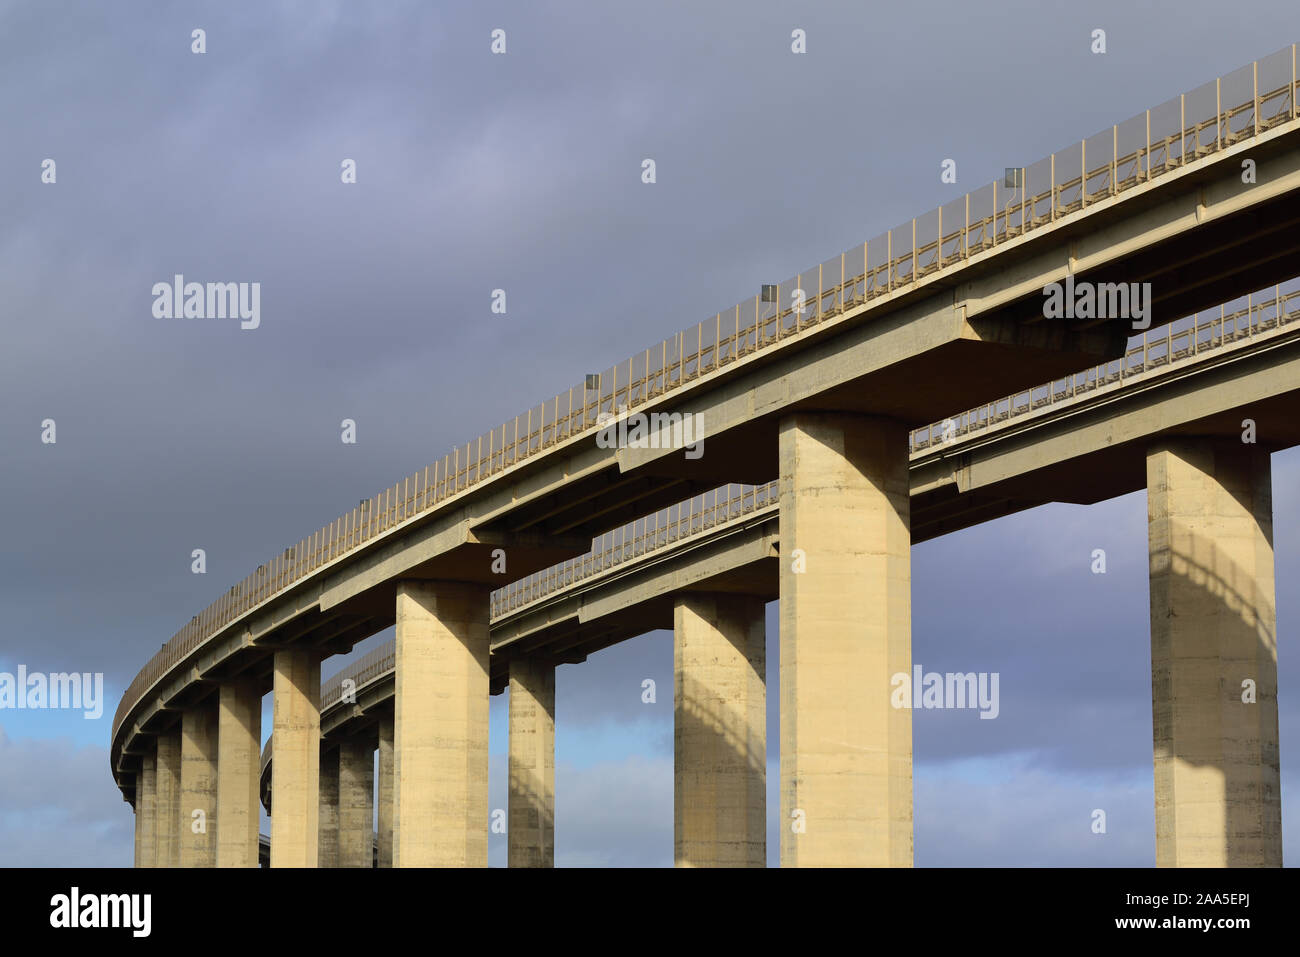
x=296 y=771
x=531 y=812
x=239 y=740
x=168 y=799
x=356 y=802
x=440 y=726
x=720 y=732
x=846 y=753
x=384 y=824
x=146 y=811
x=1213 y=627
x=327 y=840
x=198 y=807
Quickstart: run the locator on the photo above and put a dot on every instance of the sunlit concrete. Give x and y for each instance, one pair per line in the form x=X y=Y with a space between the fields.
x=531 y=764
x=1213 y=655
x=720 y=732
x=846 y=753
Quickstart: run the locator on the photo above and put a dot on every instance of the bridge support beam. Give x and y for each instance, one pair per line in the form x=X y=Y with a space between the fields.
x=327 y=840
x=384 y=822
x=531 y=825
x=145 y=804
x=198 y=807
x=720 y=732
x=1213 y=655
x=167 y=804
x=295 y=772
x=845 y=574
x=441 y=725
x=356 y=802
x=239 y=744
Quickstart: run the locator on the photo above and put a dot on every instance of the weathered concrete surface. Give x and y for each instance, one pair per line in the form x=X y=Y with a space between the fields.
x=295 y=774
x=531 y=825
x=198 y=807
x=239 y=739
x=1213 y=630
x=846 y=753
x=385 y=795
x=146 y=801
x=327 y=841
x=440 y=726
x=168 y=800
x=356 y=802
x=720 y=732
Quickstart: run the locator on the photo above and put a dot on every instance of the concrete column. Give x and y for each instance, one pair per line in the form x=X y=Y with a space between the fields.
x=295 y=771
x=846 y=753
x=441 y=725
x=531 y=825
x=1213 y=655
x=146 y=800
x=720 y=732
x=239 y=745
x=356 y=802
x=385 y=797
x=197 y=823
x=327 y=843
x=168 y=802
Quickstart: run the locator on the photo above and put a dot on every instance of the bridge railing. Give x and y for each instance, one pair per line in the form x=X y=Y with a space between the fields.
x=1227 y=110
x=1207 y=330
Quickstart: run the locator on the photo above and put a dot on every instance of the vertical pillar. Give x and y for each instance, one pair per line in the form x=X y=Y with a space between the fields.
x=327 y=842
x=441 y=725
x=295 y=771
x=720 y=732
x=197 y=823
x=239 y=745
x=1213 y=655
x=168 y=800
x=385 y=797
x=356 y=802
x=846 y=753
x=146 y=799
x=531 y=825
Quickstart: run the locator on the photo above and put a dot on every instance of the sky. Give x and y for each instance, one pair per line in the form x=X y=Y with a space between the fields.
x=522 y=171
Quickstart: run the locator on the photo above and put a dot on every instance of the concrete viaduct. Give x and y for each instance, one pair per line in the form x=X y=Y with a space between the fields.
x=810 y=391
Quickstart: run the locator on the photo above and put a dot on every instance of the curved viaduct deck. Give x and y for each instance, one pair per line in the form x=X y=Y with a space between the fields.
x=940 y=314
x=1082 y=441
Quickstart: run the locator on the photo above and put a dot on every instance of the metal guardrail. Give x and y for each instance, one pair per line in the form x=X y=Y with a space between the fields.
x=1152 y=351
x=730 y=503
x=1259 y=97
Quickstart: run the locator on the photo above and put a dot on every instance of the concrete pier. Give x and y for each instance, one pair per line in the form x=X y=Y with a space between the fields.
x=440 y=725
x=198 y=807
x=384 y=813
x=1213 y=655
x=845 y=578
x=168 y=800
x=239 y=745
x=531 y=824
x=356 y=804
x=296 y=771
x=146 y=800
x=327 y=841
x=720 y=732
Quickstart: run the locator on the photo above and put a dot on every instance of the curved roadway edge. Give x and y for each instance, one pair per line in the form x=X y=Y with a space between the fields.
x=1256 y=365
x=468 y=514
